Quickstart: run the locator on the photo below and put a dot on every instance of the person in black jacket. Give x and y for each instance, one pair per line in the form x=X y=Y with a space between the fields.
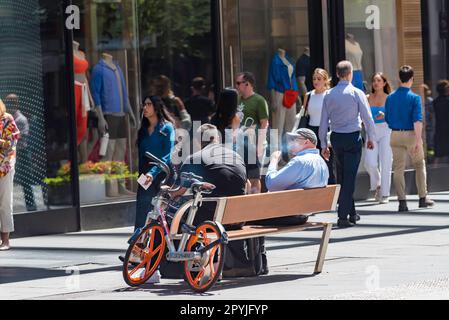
x=441 y=109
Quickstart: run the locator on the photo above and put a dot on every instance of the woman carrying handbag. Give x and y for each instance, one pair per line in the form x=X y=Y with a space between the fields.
x=310 y=115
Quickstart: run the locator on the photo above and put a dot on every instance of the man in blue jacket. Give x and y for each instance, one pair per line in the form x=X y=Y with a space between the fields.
x=404 y=116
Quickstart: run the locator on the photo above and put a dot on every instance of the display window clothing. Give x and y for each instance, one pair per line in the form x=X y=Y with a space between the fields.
x=303 y=69
x=82 y=102
x=402 y=109
x=108 y=89
x=441 y=110
x=280 y=78
x=381 y=155
x=354 y=54
x=10 y=133
x=200 y=108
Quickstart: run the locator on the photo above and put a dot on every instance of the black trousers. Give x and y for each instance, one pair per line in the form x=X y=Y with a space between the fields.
x=348 y=153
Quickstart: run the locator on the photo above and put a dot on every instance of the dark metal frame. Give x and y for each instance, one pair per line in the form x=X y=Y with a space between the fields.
x=337 y=34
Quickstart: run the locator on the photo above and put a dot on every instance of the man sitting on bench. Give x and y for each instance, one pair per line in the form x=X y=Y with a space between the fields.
x=307 y=170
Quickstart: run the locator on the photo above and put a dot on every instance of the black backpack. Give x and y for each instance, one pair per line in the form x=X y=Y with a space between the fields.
x=245 y=258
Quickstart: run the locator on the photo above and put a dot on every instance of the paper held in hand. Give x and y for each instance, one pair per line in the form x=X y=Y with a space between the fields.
x=142 y=181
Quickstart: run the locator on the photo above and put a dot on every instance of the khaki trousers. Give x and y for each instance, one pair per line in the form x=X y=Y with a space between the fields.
x=403 y=144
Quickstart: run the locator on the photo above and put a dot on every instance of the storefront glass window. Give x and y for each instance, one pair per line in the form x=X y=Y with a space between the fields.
x=265 y=27
x=33 y=85
x=371 y=39
x=107 y=85
x=176 y=41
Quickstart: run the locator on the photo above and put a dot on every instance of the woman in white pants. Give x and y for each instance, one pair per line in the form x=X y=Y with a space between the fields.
x=9 y=134
x=382 y=154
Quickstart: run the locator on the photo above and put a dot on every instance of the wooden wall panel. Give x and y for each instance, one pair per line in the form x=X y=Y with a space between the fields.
x=410 y=46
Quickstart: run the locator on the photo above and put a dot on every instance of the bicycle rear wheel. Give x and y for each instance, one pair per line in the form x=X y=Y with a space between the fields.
x=202 y=275
x=144 y=255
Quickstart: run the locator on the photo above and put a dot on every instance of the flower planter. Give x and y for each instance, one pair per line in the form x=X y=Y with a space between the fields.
x=92 y=188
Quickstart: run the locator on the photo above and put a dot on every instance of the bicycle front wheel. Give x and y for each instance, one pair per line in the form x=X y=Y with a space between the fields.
x=202 y=275
x=144 y=255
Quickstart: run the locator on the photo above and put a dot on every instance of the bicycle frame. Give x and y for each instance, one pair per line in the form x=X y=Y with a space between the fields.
x=159 y=214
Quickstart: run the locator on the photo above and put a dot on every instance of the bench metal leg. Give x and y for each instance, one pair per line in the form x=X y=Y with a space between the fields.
x=323 y=248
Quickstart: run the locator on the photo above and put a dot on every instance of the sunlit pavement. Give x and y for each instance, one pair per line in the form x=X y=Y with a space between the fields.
x=387 y=256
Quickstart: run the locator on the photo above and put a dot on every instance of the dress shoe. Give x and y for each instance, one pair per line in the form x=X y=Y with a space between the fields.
x=403 y=206
x=343 y=224
x=354 y=219
x=426 y=203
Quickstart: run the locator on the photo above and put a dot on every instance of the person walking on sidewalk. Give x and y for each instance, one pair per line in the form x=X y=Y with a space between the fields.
x=382 y=153
x=313 y=104
x=343 y=107
x=405 y=117
x=255 y=114
x=9 y=135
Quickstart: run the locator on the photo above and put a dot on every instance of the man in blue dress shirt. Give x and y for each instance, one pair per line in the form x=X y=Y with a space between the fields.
x=344 y=108
x=404 y=116
x=307 y=170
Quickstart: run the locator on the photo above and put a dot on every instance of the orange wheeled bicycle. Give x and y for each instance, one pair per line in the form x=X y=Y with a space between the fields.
x=201 y=249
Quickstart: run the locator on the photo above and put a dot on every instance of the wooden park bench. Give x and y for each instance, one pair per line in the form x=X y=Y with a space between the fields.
x=251 y=208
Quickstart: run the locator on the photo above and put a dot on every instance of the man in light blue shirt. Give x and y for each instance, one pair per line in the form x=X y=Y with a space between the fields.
x=344 y=108
x=307 y=170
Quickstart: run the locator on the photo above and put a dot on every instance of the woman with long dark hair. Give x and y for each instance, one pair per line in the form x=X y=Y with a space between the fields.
x=157 y=136
x=227 y=118
x=382 y=153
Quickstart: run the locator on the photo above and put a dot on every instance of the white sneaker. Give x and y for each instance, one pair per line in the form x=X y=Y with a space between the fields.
x=155 y=278
x=385 y=200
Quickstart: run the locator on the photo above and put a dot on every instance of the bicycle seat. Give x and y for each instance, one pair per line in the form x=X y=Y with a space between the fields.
x=203 y=186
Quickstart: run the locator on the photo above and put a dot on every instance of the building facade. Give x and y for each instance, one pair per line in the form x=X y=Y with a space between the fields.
x=56 y=58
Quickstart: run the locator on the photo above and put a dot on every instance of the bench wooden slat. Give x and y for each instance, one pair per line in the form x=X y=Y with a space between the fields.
x=248 y=232
x=278 y=204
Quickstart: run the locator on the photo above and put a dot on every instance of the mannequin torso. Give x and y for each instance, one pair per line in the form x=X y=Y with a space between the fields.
x=354 y=53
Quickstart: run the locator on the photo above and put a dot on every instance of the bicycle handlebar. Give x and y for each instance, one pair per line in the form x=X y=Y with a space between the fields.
x=161 y=164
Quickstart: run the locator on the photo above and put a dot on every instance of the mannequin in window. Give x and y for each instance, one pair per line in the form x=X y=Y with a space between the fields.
x=280 y=79
x=111 y=96
x=354 y=54
x=303 y=73
x=83 y=100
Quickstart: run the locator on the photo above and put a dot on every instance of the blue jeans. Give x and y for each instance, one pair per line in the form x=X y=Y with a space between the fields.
x=348 y=154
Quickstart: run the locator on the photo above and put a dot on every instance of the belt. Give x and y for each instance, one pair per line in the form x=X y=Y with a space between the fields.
x=403 y=130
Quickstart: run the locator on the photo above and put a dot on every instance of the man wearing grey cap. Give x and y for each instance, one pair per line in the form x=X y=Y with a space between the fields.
x=344 y=108
x=307 y=170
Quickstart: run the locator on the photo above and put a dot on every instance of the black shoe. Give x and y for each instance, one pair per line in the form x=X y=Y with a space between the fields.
x=354 y=219
x=403 y=206
x=343 y=224
x=426 y=203
x=121 y=258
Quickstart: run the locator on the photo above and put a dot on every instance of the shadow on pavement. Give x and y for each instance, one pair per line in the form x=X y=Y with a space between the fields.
x=22 y=274
x=181 y=288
